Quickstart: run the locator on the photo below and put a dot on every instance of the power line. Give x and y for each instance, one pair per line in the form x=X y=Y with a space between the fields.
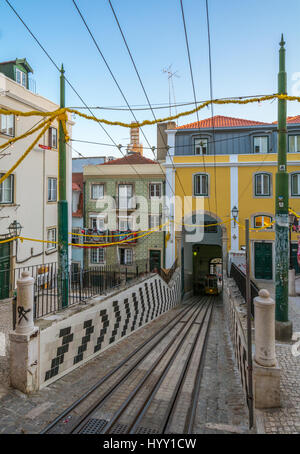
x=211 y=106
x=161 y=105
x=69 y=83
x=225 y=139
x=191 y=73
x=114 y=79
x=146 y=96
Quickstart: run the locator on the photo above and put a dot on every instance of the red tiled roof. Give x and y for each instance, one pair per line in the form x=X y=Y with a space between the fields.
x=135 y=158
x=219 y=121
x=291 y=120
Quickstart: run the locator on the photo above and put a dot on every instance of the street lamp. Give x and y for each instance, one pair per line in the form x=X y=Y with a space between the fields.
x=234 y=213
x=15 y=229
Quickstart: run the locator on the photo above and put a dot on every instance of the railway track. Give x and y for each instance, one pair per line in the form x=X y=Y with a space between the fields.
x=155 y=389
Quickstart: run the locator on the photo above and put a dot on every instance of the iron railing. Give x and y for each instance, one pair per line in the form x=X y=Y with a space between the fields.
x=240 y=280
x=83 y=283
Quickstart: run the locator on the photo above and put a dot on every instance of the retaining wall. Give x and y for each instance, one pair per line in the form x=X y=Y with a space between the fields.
x=68 y=343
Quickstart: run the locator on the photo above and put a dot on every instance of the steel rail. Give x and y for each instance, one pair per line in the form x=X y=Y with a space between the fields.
x=99 y=402
x=181 y=315
x=133 y=393
x=180 y=381
x=190 y=418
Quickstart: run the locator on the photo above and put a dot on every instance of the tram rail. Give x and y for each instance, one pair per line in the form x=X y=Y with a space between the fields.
x=89 y=413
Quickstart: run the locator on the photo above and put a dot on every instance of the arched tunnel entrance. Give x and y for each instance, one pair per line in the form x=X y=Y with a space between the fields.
x=204 y=257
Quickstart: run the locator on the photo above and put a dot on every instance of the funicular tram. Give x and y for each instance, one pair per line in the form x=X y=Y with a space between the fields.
x=207 y=274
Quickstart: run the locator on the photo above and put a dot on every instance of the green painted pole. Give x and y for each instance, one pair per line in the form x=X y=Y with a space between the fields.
x=62 y=210
x=281 y=210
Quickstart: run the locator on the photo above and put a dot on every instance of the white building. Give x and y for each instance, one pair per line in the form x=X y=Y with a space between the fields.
x=29 y=195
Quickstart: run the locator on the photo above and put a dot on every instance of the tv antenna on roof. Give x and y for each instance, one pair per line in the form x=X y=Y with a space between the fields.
x=171 y=74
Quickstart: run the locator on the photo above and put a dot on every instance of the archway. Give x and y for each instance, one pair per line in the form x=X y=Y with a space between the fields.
x=212 y=246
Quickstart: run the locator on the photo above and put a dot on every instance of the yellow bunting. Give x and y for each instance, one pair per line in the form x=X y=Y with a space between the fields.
x=64 y=110
x=26 y=153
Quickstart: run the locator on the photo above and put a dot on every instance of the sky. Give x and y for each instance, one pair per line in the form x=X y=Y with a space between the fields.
x=245 y=37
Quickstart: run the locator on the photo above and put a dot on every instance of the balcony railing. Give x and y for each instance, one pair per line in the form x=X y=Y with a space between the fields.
x=93 y=236
x=118 y=235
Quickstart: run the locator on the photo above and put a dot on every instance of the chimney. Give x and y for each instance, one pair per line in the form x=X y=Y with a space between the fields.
x=162 y=139
x=135 y=145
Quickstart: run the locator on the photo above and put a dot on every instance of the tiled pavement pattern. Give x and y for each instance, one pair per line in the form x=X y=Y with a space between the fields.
x=81 y=336
x=221 y=406
x=287 y=418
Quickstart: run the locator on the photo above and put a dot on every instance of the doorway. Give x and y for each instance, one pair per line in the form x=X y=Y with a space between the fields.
x=263 y=261
x=4 y=270
x=155 y=259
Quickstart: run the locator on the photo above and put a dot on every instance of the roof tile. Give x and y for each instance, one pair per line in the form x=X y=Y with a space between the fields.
x=219 y=121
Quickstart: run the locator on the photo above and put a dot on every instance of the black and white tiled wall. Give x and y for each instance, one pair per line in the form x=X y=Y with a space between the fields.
x=68 y=343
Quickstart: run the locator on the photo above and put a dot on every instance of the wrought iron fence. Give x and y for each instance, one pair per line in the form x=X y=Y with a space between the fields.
x=83 y=283
x=240 y=280
x=240 y=348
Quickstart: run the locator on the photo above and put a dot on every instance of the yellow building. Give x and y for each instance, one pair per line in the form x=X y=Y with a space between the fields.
x=221 y=168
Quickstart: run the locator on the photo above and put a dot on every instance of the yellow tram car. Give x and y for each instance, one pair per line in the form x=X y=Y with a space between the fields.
x=211 y=285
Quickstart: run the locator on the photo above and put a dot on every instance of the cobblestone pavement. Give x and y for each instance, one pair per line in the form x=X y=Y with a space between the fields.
x=287 y=418
x=221 y=403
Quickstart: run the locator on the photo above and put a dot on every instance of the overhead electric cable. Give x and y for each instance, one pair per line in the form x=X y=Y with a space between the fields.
x=69 y=83
x=192 y=77
x=114 y=78
x=147 y=98
x=211 y=106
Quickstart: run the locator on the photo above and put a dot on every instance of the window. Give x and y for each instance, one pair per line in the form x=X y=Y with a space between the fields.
x=201 y=184
x=200 y=146
x=262 y=221
x=21 y=77
x=125 y=224
x=154 y=221
x=97 y=191
x=261 y=144
x=75 y=201
x=7 y=189
x=263 y=184
x=294 y=144
x=7 y=125
x=97 y=256
x=125 y=196
x=51 y=236
x=53 y=137
x=295 y=184
x=76 y=239
x=126 y=256
x=97 y=223
x=52 y=189
x=155 y=190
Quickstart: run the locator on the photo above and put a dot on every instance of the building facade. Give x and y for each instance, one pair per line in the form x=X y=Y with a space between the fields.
x=228 y=164
x=124 y=197
x=29 y=195
x=78 y=206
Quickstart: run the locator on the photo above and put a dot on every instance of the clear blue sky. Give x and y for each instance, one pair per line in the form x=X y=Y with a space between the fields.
x=244 y=37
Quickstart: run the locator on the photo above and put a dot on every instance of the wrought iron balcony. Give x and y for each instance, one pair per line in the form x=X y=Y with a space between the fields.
x=118 y=235
x=95 y=236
